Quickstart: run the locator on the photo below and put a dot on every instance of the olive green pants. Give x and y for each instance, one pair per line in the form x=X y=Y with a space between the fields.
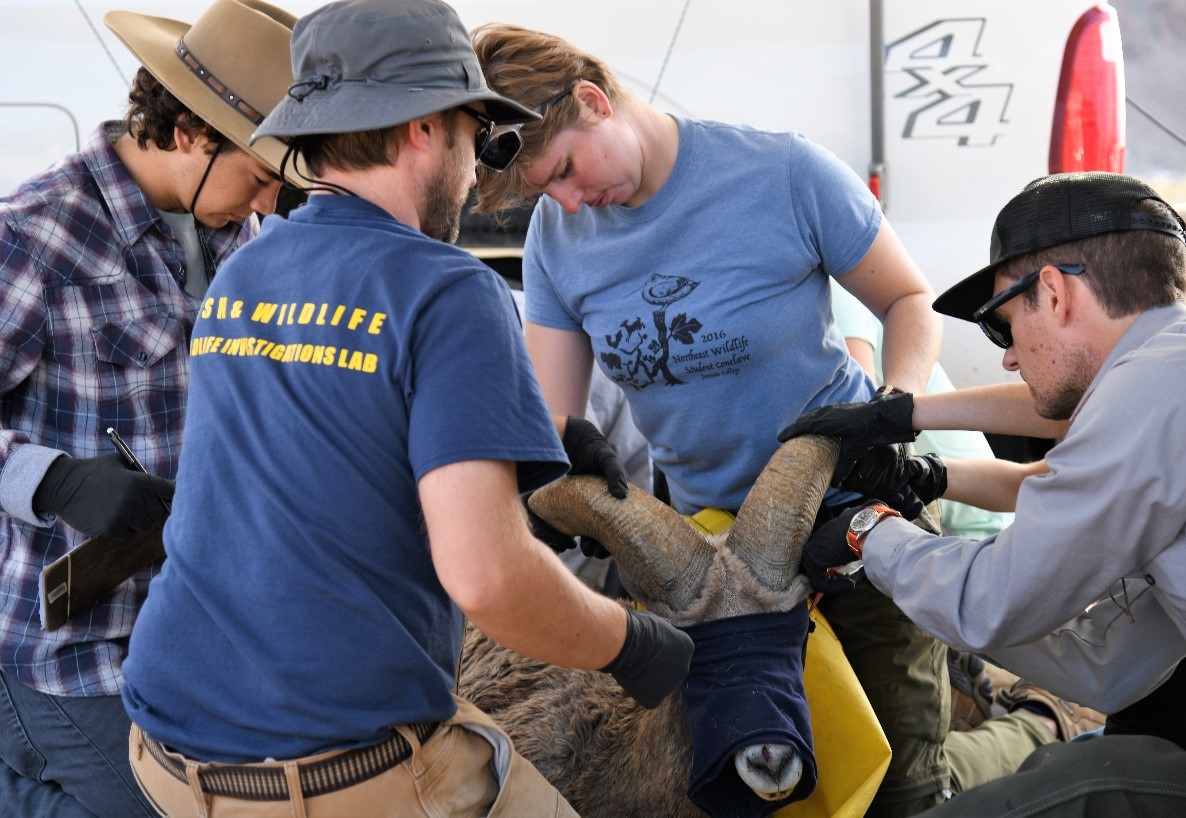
x=903 y=671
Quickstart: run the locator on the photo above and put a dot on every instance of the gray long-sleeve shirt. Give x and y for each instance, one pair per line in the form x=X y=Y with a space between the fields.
x=1085 y=593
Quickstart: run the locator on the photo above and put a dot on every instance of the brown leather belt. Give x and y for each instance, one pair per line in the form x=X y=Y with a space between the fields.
x=255 y=782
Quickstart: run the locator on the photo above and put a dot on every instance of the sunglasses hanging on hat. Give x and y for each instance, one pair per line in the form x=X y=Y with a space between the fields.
x=495 y=146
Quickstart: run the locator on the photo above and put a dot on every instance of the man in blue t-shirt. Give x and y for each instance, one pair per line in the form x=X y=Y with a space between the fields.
x=362 y=420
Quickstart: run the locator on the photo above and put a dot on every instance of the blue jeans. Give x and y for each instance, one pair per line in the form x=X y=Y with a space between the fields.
x=65 y=756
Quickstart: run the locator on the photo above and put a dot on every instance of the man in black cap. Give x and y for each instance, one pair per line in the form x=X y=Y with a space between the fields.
x=1085 y=593
x=362 y=419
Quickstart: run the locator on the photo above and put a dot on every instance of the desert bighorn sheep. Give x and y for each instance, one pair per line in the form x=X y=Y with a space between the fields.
x=605 y=753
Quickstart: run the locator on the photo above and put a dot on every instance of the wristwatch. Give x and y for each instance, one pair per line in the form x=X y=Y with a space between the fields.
x=862 y=523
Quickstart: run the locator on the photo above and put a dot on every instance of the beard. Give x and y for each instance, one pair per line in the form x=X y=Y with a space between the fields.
x=1063 y=399
x=444 y=197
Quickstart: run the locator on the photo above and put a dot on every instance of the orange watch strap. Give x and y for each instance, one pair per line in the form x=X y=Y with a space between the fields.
x=855 y=540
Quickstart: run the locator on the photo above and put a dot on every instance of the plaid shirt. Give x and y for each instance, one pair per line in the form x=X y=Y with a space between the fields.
x=94 y=331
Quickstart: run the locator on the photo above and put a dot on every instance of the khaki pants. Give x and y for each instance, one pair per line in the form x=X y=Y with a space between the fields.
x=467 y=768
x=993 y=749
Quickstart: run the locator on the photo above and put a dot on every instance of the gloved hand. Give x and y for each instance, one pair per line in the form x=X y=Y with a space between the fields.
x=908 y=482
x=102 y=496
x=926 y=474
x=558 y=541
x=827 y=547
x=590 y=453
x=887 y=418
x=654 y=658
x=593 y=548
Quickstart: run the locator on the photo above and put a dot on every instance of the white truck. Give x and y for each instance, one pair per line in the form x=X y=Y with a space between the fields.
x=948 y=107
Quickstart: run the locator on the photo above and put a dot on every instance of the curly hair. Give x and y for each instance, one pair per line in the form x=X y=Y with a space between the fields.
x=153 y=113
x=534 y=69
x=1128 y=272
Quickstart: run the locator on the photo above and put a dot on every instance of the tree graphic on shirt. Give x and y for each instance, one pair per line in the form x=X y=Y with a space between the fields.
x=644 y=358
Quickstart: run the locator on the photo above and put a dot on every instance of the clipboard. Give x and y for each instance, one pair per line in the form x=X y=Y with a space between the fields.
x=93 y=569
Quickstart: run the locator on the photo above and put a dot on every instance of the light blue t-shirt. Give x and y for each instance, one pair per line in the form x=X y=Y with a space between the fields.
x=709 y=303
x=337 y=359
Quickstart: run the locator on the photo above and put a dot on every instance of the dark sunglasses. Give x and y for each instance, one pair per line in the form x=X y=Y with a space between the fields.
x=494 y=147
x=997 y=330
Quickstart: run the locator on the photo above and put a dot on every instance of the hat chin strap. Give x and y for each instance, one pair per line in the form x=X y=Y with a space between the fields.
x=193 y=204
x=207 y=254
x=316 y=184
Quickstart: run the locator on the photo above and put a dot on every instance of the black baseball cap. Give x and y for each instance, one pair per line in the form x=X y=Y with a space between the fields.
x=1054 y=210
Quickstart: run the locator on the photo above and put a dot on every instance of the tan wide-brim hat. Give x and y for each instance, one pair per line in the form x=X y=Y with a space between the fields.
x=230 y=68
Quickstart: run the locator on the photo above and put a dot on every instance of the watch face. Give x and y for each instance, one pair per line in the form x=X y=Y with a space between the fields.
x=863 y=520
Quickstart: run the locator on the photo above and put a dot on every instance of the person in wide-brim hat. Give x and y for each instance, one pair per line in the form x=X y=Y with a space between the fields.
x=230 y=68
x=417 y=350
x=105 y=261
x=367 y=66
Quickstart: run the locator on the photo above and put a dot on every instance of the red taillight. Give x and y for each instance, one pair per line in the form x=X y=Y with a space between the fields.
x=1088 y=131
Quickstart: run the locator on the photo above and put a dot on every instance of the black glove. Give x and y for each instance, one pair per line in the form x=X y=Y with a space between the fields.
x=593 y=548
x=558 y=541
x=590 y=453
x=827 y=547
x=887 y=418
x=102 y=496
x=654 y=658
x=907 y=482
x=542 y=531
x=906 y=502
x=926 y=475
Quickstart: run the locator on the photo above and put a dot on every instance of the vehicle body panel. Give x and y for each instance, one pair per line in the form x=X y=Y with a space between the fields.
x=964 y=122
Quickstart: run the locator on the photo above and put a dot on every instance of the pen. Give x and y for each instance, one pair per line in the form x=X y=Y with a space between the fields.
x=130 y=458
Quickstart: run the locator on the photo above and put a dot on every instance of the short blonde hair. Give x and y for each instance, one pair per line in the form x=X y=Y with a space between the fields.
x=533 y=68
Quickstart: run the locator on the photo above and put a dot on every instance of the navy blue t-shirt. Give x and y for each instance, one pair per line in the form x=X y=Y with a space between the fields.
x=337 y=358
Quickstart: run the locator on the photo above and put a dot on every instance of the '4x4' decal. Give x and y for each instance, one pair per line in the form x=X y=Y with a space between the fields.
x=939 y=71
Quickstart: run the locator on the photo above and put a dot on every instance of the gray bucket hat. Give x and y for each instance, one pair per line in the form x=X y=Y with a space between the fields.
x=360 y=65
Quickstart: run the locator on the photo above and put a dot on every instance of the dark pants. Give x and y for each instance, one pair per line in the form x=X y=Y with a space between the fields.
x=903 y=671
x=1103 y=777
x=1137 y=768
x=1161 y=713
x=65 y=756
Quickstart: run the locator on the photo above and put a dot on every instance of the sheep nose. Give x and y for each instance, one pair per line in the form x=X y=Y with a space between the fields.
x=772 y=771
